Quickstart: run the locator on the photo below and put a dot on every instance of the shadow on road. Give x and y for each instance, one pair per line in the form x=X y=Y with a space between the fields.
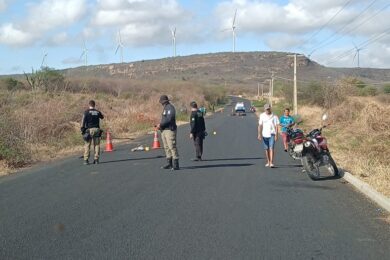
x=232 y=159
x=133 y=159
x=288 y=166
x=216 y=166
x=301 y=185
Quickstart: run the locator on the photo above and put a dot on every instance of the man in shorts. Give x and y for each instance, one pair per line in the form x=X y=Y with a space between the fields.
x=268 y=133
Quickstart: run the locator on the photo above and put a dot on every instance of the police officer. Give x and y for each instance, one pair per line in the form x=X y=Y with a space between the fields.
x=90 y=129
x=168 y=129
x=198 y=130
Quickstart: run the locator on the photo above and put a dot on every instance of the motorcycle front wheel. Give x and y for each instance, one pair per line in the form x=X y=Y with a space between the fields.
x=312 y=170
x=332 y=167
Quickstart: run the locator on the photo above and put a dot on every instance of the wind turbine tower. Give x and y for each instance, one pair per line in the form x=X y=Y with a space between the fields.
x=234 y=31
x=44 y=64
x=173 y=31
x=120 y=46
x=85 y=54
x=358 y=55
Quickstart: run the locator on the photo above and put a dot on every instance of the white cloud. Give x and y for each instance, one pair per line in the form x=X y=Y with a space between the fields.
x=59 y=39
x=41 y=18
x=283 y=41
x=14 y=36
x=51 y=14
x=301 y=16
x=143 y=22
x=4 y=4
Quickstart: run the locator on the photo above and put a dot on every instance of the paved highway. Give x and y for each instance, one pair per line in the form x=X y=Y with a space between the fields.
x=227 y=207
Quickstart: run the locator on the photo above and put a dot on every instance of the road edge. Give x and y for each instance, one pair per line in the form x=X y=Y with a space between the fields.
x=369 y=191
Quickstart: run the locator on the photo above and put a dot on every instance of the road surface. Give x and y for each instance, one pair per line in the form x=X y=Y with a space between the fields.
x=227 y=207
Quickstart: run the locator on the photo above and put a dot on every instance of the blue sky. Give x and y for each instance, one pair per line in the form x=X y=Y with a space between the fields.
x=328 y=29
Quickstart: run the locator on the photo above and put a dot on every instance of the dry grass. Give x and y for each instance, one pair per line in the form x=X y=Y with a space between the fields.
x=49 y=123
x=359 y=138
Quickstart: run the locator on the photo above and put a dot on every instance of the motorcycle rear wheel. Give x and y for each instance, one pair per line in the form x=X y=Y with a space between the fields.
x=312 y=170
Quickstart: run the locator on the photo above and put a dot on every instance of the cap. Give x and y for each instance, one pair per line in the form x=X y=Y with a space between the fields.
x=267 y=106
x=163 y=99
x=193 y=104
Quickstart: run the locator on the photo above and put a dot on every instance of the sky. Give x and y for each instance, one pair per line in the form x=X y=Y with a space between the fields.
x=54 y=33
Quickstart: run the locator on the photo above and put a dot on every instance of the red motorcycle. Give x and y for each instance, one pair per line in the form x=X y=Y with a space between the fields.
x=295 y=145
x=316 y=154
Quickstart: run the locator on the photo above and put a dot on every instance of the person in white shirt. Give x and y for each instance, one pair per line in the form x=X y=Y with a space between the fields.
x=268 y=133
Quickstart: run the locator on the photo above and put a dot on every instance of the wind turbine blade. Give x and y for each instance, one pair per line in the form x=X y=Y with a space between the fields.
x=227 y=29
x=117 y=48
x=354 y=57
x=82 y=54
x=234 y=19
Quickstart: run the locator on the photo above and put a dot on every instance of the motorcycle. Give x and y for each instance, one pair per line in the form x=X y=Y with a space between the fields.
x=316 y=154
x=295 y=145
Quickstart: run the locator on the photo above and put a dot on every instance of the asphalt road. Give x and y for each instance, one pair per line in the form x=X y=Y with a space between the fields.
x=227 y=207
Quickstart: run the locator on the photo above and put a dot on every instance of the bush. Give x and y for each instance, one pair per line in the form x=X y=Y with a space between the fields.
x=12 y=147
x=367 y=91
x=386 y=89
x=215 y=95
x=312 y=94
x=11 y=84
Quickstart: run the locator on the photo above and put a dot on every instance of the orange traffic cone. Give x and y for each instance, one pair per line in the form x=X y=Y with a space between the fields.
x=156 y=142
x=109 y=147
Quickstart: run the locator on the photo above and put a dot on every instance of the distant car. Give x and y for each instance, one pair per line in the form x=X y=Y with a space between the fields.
x=240 y=109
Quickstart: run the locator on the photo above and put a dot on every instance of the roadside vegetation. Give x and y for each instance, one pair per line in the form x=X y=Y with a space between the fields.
x=40 y=115
x=359 y=134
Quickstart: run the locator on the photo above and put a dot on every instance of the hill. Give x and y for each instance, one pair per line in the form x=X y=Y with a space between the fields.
x=244 y=68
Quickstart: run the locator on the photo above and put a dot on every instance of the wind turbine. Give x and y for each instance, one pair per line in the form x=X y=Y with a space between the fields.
x=234 y=31
x=85 y=54
x=233 y=28
x=44 y=64
x=173 y=31
x=357 y=54
x=120 y=45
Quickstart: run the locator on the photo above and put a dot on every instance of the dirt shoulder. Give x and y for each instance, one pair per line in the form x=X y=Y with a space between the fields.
x=359 y=138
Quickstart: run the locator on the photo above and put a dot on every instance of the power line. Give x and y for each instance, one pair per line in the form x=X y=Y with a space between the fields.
x=330 y=20
x=370 y=83
x=357 y=26
x=326 y=42
x=363 y=44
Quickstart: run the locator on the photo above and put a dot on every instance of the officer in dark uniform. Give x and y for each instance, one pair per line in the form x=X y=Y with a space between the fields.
x=168 y=129
x=198 y=130
x=90 y=129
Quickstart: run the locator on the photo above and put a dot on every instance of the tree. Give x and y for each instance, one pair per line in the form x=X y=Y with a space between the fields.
x=46 y=79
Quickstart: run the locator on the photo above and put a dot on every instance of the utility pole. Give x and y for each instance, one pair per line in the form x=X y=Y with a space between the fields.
x=272 y=87
x=295 y=83
x=270 y=92
x=258 y=90
x=262 y=90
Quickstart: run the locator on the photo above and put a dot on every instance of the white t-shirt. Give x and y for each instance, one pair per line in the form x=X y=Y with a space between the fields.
x=269 y=123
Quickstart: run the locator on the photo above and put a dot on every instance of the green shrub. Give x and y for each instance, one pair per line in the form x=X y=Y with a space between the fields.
x=367 y=91
x=11 y=84
x=386 y=89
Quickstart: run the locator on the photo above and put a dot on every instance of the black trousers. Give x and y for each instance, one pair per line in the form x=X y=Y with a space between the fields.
x=198 y=142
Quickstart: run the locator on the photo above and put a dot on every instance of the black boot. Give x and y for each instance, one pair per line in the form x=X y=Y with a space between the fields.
x=169 y=164
x=175 y=165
